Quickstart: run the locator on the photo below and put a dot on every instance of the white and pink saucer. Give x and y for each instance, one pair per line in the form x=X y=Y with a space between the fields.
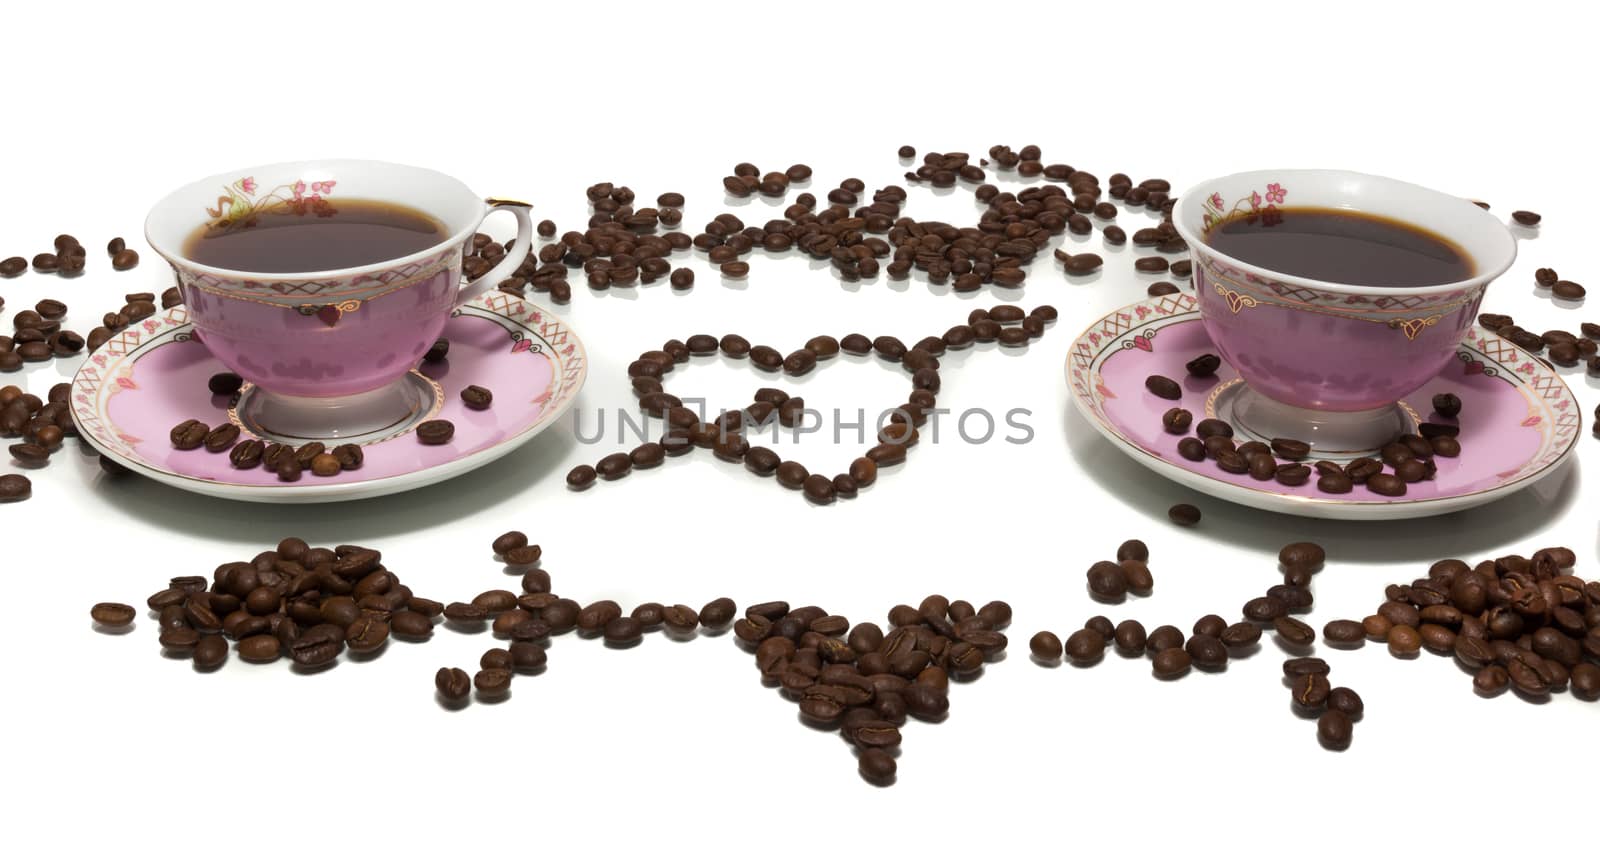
x=1519 y=420
x=132 y=390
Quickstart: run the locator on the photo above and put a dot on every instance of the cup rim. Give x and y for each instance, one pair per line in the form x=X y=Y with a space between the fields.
x=175 y=256
x=1197 y=241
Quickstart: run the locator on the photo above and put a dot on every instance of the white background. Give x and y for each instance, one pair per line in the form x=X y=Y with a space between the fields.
x=106 y=108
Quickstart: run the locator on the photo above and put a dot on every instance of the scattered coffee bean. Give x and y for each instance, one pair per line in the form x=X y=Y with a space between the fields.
x=1184 y=514
x=1163 y=387
x=435 y=432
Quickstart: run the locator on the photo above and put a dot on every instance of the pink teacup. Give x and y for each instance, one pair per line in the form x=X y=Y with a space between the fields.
x=1322 y=362
x=330 y=354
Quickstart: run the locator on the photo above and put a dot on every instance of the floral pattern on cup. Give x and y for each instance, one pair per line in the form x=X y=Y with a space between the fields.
x=240 y=207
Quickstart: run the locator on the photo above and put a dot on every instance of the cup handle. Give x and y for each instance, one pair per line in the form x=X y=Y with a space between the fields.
x=514 y=255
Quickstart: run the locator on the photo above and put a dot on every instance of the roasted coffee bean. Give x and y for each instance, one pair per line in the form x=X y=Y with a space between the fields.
x=1242 y=634
x=1525 y=218
x=1334 y=730
x=13 y=266
x=1404 y=640
x=224 y=383
x=1170 y=663
x=1191 y=449
x=1163 y=387
x=621 y=631
x=1204 y=366
x=477 y=397
x=876 y=766
x=189 y=435
x=112 y=615
x=1130 y=637
x=1045 y=647
x=1164 y=637
x=1085 y=647
x=1108 y=582
x=1139 y=579
x=717 y=614
x=1207 y=651
x=222 y=438
x=583 y=476
x=1154 y=263
x=1344 y=632
x=1208 y=428
x=435 y=432
x=1264 y=609
x=1177 y=420
x=1293 y=632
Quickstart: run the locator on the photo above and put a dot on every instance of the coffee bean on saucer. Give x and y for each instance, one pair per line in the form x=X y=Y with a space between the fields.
x=1163 y=387
x=1290 y=449
x=350 y=456
x=1204 y=366
x=325 y=465
x=247 y=454
x=1388 y=485
x=1447 y=404
x=288 y=470
x=1213 y=427
x=1525 y=217
x=1568 y=290
x=435 y=432
x=1177 y=420
x=1184 y=514
x=222 y=438
x=1191 y=449
x=437 y=352
x=224 y=383
x=189 y=434
x=477 y=397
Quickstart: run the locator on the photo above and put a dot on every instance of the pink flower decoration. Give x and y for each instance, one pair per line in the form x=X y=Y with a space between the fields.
x=1255 y=200
x=1275 y=192
x=248 y=185
x=1216 y=201
x=322 y=187
x=299 y=189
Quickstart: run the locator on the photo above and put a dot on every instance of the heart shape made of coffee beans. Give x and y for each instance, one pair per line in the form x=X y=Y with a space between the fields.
x=725 y=436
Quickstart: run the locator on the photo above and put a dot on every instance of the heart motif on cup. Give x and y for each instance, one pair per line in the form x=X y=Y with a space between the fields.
x=725 y=436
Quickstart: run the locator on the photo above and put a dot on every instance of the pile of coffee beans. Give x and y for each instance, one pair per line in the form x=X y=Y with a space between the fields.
x=37 y=337
x=1110 y=582
x=747 y=179
x=865 y=681
x=1336 y=709
x=620 y=247
x=728 y=435
x=307 y=603
x=68 y=258
x=1410 y=457
x=1527 y=623
x=42 y=424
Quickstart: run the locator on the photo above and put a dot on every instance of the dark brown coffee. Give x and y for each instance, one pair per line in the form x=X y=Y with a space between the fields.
x=357 y=232
x=1345 y=247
